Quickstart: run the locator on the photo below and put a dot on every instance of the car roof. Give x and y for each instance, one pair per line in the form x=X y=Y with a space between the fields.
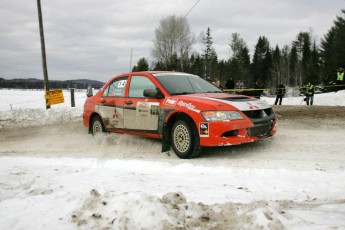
x=158 y=72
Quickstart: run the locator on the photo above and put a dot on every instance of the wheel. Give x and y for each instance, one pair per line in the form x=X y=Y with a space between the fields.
x=97 y=126
x=185 y=139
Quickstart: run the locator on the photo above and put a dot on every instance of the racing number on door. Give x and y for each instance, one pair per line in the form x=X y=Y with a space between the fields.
x=122 y=84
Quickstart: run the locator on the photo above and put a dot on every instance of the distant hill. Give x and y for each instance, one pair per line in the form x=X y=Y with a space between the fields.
x=33 y=83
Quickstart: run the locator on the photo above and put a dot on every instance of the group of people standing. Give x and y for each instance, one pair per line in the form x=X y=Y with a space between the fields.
x=230 y=84
x=258 y=88
x=309 y=94
x=239 y=87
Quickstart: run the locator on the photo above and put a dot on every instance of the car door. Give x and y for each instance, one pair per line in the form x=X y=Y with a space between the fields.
x=111 y=107
x=140 y=113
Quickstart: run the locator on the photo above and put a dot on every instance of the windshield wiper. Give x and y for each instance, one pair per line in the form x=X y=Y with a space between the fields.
x=181 y=93
x=214 y=91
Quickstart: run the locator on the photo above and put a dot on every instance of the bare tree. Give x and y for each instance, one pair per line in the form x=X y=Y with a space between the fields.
x=173 y=38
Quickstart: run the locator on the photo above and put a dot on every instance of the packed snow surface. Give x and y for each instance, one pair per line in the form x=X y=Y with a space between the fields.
x=54 y=175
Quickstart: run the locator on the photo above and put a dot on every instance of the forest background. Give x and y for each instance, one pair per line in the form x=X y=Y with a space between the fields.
x=304 y=60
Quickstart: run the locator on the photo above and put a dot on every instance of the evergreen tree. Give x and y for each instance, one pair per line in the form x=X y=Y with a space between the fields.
x=333 y=49
x=196 y=65
x=293 y=62
x=240 y=59
x=329 y=60
x=262 y=60
x=207 y=55
x=142 y=65
x=285 y=66
x=224 y=70
x=214 y=64
x=314 y=66
x=303 y=46
x=276 y=66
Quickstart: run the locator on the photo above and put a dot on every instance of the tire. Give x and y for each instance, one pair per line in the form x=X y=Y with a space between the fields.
x=185 y=139
x=96 y=126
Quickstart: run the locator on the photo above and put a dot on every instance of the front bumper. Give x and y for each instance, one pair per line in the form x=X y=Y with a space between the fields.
x=237 y=132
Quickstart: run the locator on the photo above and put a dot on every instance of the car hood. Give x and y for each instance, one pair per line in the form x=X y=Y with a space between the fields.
x=216 y=100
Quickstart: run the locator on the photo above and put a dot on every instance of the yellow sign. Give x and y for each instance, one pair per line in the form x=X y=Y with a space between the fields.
x=54 y=97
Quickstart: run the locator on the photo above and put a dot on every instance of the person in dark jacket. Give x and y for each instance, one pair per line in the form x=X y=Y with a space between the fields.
x=258 y=89
x=280 y=92
x=230 y=84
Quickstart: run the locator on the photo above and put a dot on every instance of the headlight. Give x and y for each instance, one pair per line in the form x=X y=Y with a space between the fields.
x=221 y=115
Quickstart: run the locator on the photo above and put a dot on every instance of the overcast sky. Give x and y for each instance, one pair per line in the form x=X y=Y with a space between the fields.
x=93 y=38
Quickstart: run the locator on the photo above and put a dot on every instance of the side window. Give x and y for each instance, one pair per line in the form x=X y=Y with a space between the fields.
x=138 y=85
x=116 y=88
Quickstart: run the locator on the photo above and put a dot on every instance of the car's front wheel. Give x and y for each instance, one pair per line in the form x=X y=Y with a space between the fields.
x=185 y=139
x=97 y=126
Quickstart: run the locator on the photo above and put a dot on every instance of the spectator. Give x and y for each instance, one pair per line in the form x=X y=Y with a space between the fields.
x=280 y=92
x=230 y=84
x=258 y=89
x=309 y=93
x=340 y=79
x=217 y=82
x=239 y=86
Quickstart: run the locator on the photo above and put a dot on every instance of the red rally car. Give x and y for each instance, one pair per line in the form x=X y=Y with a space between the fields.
x=184 y=110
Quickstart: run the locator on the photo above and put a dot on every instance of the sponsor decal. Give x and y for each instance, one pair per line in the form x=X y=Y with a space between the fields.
x=115 y=115
x=251 y=106
x=189 y=106
x=142 y=105
x=142 y=109
x=204 y=130
x=154 y=109
x=147 y=108
x=170 y=101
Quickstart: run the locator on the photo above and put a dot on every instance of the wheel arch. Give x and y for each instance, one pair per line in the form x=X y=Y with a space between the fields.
x=93 y=115
x=166 y=134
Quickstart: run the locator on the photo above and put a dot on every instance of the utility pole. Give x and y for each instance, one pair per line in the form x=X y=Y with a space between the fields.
x=130 y=61
x=43 y=50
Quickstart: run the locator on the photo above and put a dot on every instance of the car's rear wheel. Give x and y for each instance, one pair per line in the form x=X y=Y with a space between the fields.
x=185 y=139
x=97 y=126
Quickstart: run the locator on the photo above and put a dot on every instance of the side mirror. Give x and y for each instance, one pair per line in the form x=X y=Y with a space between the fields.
x=89 y=91
x=153 y=93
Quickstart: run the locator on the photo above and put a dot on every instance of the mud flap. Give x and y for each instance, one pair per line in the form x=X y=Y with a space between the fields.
x=166 y=140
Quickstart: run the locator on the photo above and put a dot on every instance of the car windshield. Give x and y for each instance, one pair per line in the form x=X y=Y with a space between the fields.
x=177 y=84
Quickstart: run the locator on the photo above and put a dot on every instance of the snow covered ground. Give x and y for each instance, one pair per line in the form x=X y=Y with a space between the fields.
x=53 y=175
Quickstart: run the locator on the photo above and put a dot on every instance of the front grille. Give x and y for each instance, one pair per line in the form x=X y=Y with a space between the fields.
x=261 y=130
x=262 y=120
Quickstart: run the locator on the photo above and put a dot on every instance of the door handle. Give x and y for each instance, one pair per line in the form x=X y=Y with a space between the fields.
x=103 y=100
x=128 y=102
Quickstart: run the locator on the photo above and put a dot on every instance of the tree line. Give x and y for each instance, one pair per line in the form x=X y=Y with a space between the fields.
x=302 y=61
x=33 y=83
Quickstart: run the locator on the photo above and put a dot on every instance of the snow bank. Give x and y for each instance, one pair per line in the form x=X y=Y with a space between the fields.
x=24 y=108
x=65 y=193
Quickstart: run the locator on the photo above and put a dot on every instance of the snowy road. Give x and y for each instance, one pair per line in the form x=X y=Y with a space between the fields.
x=50 y=174
x=302 y=143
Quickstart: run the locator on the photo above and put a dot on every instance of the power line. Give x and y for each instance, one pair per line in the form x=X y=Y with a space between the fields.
x=191 y=8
